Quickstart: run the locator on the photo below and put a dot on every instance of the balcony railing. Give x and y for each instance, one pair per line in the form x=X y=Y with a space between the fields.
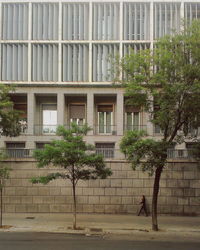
x=135 y=127
x=180 y=153
x=14 y=153
x=45 y=129
x=105 y=129
x=107 y=153
x=17 y=152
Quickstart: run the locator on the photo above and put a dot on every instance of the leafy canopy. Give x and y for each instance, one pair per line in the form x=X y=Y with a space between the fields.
x=76 y=157
x=166 y=82
x=9 y=118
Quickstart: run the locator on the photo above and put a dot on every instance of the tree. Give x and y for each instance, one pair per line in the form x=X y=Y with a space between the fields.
x=166 y=82
x=4 y=174
x=9 y=118
x=74 y=156
x=9 y=126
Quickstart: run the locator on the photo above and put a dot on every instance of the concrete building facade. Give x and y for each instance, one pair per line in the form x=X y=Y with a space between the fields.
x=58 y=54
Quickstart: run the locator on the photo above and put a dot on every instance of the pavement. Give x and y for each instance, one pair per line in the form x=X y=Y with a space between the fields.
x=95 y=224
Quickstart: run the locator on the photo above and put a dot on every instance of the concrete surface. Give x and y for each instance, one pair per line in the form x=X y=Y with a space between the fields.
x=98 y=224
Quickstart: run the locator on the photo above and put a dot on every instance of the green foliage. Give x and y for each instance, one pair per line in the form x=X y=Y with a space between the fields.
x=168 y=77
x=72 y=154
x=4 y=171
x=164 y=81
x=9 y=118
x=147 y=154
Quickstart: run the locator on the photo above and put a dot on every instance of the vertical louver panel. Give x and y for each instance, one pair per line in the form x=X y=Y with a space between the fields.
x=166 y=18
x=105 y=21
x=136 y=21
x=15 y=21
x=103 y=54
x=75 y=62
x=14 y=62
x=75 y=21
x=45 y=62
x=192 y=11
x=45 y=21
x=129 y=48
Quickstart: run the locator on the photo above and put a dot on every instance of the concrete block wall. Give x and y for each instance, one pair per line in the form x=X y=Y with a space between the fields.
x=120 y=193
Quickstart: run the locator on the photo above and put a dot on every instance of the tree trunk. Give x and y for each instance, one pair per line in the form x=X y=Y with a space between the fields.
x=1 y=215
x=74 y=209
x=155 y=198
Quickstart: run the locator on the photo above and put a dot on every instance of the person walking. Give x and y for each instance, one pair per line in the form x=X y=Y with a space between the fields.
x=143 y=206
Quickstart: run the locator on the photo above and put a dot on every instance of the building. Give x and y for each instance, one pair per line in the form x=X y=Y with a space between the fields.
x=57 y=55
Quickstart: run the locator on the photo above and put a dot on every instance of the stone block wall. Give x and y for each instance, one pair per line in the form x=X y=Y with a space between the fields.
x=120 y=193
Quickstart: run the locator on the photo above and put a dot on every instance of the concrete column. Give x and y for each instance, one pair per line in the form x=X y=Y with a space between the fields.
x=151 y=25
x=120 y=114
x=29 y=43
x=31 y=112
x=90 y=112
x=60 y=108
x=60 y=45
x=90 y=43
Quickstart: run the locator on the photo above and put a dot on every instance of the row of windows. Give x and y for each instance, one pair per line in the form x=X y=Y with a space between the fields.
x=46 y=116
x=19 y=150
x=105 y=23
x=75 y=61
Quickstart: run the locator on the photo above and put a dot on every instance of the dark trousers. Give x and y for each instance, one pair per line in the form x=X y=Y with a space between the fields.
x=143 y=207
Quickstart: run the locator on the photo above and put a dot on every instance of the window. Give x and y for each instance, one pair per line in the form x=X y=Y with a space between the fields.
x=77 y=114
x=45 y=21
x=15 y=21
x=105 y=149
x=75 y=21
x=132 y=120
x=14 y=62
x=44 y=62
x=105 y=119
x=105 y=21
x=75 y=62
x=166 y=18
x=17 y=150
x=49 y=118
x=103 y=54
x=136 y=21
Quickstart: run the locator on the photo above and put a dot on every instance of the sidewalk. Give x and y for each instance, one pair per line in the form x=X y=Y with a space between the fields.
x=97 y=223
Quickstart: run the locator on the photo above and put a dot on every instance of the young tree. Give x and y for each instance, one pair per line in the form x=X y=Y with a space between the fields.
x=74 y=156
x=4 y=174
x=9 y=118
x=9 y=126
x=166 y=82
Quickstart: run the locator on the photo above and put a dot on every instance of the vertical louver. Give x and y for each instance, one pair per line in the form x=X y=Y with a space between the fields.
x=45 y=21
x=192 y=11
x=105 y=21
x=75 y=21
x=15 y=21
x=14 y=62
x=44 y=62
x=129 y=48
x=75 y=62
x=166 y=18
x=136 y=21
x=103 y=54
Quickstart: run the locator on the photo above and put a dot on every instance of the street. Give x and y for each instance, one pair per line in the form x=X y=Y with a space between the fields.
x=54 y=241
